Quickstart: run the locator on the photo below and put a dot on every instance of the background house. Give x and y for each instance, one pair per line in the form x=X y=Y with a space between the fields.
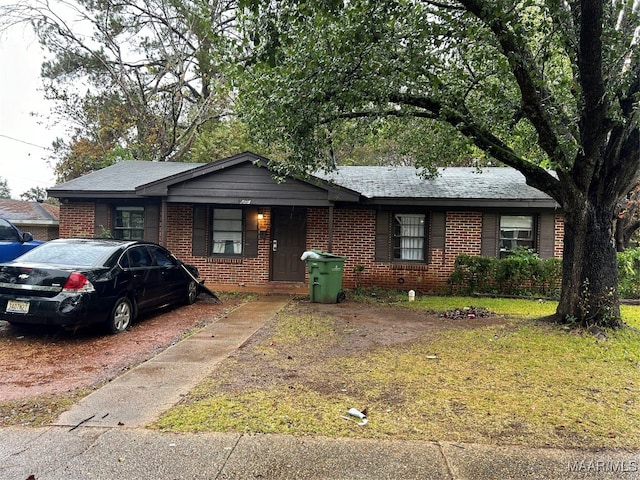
x=40 y=219
x=241 y=227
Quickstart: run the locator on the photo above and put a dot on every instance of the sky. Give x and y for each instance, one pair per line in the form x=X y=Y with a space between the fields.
x=25 y=139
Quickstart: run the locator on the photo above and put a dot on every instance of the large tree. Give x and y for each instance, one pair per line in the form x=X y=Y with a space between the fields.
x=548 y=87
x=134 y=78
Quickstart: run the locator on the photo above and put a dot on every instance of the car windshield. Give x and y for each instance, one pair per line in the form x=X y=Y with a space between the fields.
x=73 y=254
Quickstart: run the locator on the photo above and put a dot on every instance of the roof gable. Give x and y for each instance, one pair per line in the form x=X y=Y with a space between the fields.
x=245 y=179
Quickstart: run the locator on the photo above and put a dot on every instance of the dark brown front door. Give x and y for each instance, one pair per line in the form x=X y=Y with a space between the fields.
x=288 y=242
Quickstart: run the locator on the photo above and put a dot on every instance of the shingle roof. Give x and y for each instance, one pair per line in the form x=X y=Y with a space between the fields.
x=491 y=185
x=494 y=183
x=31 y=213
x=124 y=176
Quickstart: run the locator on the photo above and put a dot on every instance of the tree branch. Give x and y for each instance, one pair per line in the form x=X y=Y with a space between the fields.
x=536 y=99
x=483 y=138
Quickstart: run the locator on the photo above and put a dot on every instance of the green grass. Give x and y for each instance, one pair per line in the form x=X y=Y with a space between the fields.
x=521 y=381
x=38 y=411
x=520 y=308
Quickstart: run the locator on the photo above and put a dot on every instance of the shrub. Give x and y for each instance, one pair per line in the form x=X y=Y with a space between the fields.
x=522 y=273
x=629 y=273
x=552 y=277
x=473 y=274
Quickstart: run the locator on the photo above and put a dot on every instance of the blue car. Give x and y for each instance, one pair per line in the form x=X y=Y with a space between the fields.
x=13 y=242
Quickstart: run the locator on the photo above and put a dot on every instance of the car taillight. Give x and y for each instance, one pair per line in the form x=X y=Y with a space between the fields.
x=79 y=283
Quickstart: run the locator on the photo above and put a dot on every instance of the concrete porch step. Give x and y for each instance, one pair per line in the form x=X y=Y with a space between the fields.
x=271 y=288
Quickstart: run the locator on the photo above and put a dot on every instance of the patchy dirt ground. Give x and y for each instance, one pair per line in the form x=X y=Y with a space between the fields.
x=44 y=361
x=359 y=328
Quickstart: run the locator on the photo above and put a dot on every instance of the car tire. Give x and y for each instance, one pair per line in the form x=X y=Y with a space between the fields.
x=121 y=316
x=192 y=292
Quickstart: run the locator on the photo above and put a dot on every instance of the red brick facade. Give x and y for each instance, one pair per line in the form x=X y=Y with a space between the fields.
x=353 y=236
x=77 y=220
x=42 y=233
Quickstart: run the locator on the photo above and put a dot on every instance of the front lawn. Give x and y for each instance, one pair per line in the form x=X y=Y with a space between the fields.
x=506 y=379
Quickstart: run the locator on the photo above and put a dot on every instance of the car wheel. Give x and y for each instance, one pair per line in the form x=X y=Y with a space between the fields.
x=192 y=292
x=121 y=316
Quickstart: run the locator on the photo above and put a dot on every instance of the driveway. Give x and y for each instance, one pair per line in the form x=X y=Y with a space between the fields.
x=44 y=361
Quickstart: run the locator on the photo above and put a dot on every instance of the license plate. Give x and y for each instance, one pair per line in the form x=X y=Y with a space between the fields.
x=14 y=306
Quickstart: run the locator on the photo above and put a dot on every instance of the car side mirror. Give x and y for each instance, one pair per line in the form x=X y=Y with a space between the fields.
x=27 y=237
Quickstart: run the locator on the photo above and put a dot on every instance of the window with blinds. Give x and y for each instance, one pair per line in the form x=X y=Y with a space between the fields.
x=409 y=237
x=227 y=231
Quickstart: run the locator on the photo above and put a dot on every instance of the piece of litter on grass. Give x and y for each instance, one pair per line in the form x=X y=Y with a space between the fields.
x=360 y=424
x=432 y=357
x=354 y=412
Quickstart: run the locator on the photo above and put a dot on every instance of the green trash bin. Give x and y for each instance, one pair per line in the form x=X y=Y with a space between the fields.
x=325 y=277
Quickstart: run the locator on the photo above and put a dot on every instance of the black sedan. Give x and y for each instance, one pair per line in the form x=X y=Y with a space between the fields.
x=77 y=282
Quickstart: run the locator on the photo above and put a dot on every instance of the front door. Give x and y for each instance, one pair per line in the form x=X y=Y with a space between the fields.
x=288 y=242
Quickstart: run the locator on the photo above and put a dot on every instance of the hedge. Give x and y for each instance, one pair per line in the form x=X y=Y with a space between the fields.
x=525 y=274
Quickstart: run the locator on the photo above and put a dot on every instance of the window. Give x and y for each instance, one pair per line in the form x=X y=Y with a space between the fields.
x=515 y=231
x=408 y=237
x=162 y=257
x=227 y=231
x=7 y=232
x=129 y=223
x=224 y=233
x=139 y=257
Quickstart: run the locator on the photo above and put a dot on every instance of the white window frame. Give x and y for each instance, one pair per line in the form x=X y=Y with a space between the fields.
x=409 y=237
x=227 y=230
x=516 y=231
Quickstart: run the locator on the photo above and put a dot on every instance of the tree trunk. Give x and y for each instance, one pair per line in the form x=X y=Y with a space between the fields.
x=621 y=243
x=590 y=269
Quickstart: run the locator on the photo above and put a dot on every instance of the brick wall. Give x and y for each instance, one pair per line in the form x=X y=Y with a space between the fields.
x=227 y=271
x=353 y=238
x=42 y=233
x=77 y=220
x=558 y=246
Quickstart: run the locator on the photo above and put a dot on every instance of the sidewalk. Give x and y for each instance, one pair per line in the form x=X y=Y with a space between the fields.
x=142 y=394
x=102 y=438
x=55 y=453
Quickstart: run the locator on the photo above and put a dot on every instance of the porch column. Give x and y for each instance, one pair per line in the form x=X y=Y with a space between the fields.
x=163 y=219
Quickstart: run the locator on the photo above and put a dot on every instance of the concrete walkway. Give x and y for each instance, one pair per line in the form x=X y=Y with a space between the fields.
x=142 y=394
x=101 y=437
